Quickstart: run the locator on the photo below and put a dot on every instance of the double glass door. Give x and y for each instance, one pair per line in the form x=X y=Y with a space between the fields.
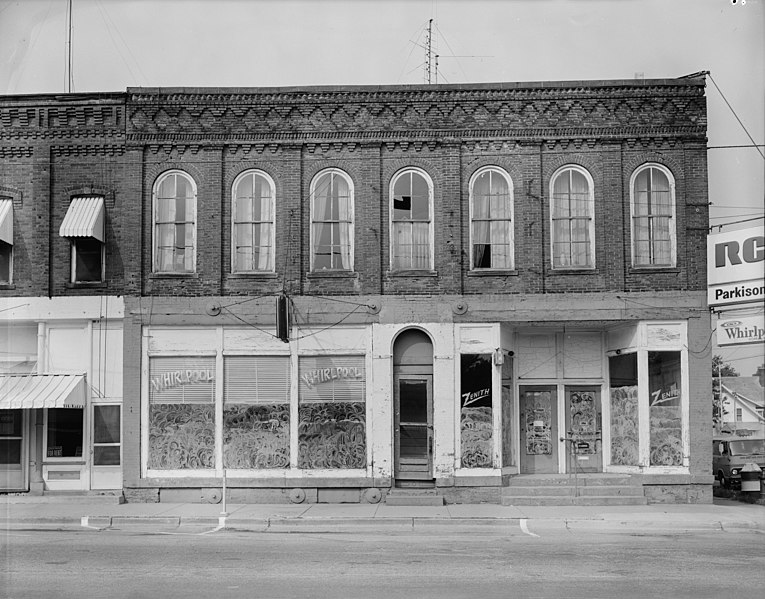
x=560 y=429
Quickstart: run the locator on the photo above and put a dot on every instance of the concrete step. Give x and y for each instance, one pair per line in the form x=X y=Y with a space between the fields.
x=414 y=497
x=569 y=500
x=583 y=480
x=74 y=497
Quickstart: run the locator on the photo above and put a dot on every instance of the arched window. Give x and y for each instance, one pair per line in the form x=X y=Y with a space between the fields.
x=331 y=221
x=652 y=201
x=411 y=215
x=572 y=214
x=491 y=219
x=253 y=223
x=174 y=215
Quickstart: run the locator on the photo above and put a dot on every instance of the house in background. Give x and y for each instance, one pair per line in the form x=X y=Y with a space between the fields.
x=343 y=293
x=743 y=400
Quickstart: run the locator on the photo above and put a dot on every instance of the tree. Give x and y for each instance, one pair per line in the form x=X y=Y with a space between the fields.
x=720 y=368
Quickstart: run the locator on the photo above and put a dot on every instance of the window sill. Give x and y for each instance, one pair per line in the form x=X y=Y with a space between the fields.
x=489 y=272
x=252 y=275
x=332 y=274
x=7 y=286
x=573 y=271
x=652 y=269
x=413 y=273
x=86 y=285
x=173 y=275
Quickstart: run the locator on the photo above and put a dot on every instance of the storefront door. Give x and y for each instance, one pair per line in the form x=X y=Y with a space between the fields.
x=12 y=451
x=539 y=429
x=413 y=426
x=583 y=430
x=106 y=468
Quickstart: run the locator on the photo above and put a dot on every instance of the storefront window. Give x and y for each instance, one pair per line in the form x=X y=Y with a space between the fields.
x=181 y=413
x=256 y=412
x=624 y=410
x=10 y=436
x=64 y=433
x=475 y=411
x=664 y=393
x=332 y=418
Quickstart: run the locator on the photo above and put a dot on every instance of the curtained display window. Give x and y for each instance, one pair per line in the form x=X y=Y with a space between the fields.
x=653 y=216
x=174 y=223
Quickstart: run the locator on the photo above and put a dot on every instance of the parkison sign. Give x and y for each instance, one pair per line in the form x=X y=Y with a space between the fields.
x=736 y=267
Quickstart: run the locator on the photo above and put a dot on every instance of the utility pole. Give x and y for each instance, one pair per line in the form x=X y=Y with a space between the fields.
x=69 y=76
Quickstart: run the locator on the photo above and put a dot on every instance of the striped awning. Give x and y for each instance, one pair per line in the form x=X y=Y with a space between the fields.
x=85 y=218
x=6 y=221
x=27 y=391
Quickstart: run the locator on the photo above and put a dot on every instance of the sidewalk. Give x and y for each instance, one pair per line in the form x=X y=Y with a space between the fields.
x=25 y=512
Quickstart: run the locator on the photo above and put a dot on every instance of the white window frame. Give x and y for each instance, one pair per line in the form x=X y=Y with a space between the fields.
x=154 y=224
x=511 y=242
x=564 y=170
x=392 y=245
x=10 y=265
x=672 y=216
x=351 y=218
x=73 y=257
x=237 y=181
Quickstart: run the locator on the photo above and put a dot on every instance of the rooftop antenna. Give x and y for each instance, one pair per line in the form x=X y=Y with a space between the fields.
x=69 y=76
x=429 y=52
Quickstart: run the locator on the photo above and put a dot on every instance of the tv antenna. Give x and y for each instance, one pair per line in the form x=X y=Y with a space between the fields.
x=432 y=57
x=69 y=74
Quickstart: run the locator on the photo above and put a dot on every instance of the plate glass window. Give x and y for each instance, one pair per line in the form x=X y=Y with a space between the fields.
x=253 y=235
x=572 y=213
x=174 y=223
x=491 y=196
x=332 y=222
x=653 y=217
x=411 y=221
x=65 y=433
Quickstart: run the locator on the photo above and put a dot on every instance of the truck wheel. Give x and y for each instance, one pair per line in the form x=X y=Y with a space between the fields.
x=724 y=482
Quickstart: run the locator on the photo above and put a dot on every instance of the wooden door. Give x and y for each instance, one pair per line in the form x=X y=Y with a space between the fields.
x=539 y=429
x=413 y=426
x=583 y=430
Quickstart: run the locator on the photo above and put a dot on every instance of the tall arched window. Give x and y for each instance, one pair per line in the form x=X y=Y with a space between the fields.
x=411 y=214
x=331 y=221
x=253 y=223
x=652 y=194
x=174 y=215
x=572 y=214
x=491 y=219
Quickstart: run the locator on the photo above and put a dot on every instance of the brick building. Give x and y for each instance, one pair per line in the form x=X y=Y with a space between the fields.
x=333 y=292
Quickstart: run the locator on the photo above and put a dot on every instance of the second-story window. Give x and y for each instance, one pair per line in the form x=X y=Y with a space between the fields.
x=331 y=221
x=572 y=211
x=83 y=225
x=253 y=223
x=174 y=215
x=6 y=241
x=653 y=216
x=491 y=213
x=411 y=221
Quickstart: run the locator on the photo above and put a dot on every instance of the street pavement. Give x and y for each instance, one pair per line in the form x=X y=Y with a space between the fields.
x=105 y=512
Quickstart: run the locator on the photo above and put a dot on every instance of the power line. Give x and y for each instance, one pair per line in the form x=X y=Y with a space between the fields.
x=734 y=114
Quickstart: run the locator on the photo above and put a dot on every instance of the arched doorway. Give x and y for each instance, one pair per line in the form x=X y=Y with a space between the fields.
x=413 y=408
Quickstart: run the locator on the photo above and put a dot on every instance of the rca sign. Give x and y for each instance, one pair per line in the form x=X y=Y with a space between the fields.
x=736 y=267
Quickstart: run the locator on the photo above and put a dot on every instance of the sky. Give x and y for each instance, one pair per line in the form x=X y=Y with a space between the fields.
x=261 y=43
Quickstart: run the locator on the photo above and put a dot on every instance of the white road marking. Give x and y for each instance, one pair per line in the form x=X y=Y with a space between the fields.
x=525 y=528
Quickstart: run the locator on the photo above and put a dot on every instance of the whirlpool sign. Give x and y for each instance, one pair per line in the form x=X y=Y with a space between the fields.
x=736 y=267
x=740 y=331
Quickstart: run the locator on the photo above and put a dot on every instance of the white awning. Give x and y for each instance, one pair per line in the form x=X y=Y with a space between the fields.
x=6 y=221
x=27 y=391
x=85 y=218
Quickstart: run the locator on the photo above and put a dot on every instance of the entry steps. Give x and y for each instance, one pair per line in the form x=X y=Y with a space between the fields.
x=414 y=496
x=75 y=497
x=565 y=489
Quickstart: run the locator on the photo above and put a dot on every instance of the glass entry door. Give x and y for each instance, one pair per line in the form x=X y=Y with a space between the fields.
x=583 y=430
x=106 y=468
x=539 y=429
x=413 y=426
x=12 y=451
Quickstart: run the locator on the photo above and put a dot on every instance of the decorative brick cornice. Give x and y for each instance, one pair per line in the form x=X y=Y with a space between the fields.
x=15 y=151
x=87 y=150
